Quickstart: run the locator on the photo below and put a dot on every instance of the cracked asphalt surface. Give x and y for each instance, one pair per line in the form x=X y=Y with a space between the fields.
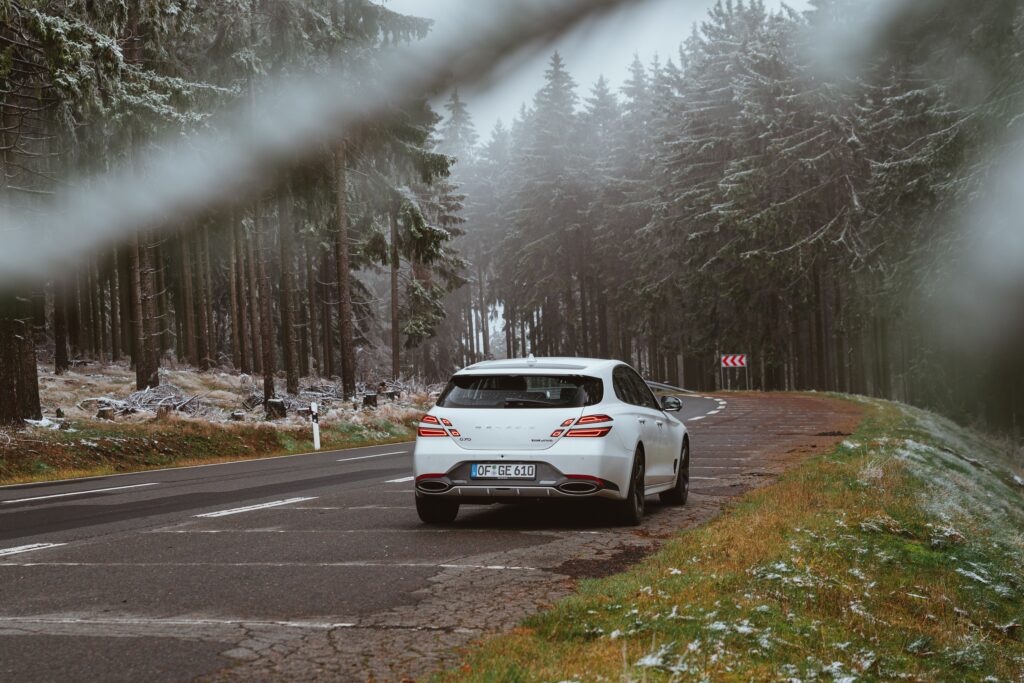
x=118 y=579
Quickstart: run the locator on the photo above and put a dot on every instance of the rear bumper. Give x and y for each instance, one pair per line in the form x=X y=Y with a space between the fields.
x=490 y=494
x=443 y=469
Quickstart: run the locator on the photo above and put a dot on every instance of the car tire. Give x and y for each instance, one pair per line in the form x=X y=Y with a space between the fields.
x=436 y=510
x=630 y=512
x=679 y=492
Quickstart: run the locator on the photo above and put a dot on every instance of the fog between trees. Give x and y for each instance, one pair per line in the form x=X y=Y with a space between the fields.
x=731 y=198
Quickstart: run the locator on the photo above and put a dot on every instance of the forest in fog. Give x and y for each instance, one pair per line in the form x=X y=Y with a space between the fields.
x=744 y=195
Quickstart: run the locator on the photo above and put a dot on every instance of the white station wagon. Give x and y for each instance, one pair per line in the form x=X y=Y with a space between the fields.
x=549 y=428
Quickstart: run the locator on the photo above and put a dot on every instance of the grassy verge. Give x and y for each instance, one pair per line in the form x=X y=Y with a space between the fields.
x=93 y=448
x=898 y=556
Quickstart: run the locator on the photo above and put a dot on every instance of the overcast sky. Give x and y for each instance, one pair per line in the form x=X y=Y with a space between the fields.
x=607 y=48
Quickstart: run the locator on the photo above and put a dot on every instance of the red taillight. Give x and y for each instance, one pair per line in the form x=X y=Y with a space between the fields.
x=557 y=433
x=445 y=422
x=429 y=476
x=428 y=431
x=592 y=419
x=589 y=431
x=455 y=432
x=567 y=422
x=430 y=420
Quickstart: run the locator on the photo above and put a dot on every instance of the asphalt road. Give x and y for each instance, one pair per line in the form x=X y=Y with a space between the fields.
x=281 y=568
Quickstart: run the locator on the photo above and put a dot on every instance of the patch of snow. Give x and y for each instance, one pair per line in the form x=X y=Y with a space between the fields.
x=45 y=423
x=654 y=659
x=972 y=575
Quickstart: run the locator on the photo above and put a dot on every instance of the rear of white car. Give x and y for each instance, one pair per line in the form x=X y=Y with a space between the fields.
x=539 y=429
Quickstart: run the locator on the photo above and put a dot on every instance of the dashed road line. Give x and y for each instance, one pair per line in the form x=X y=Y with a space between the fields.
x=715 y=412
x=28 y=548
x=402 y=480
x=694 y=419
x=250 y=508
x=377 y=455
x=78 y=493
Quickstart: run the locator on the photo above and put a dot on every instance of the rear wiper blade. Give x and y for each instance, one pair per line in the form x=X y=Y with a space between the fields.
x=525 y=402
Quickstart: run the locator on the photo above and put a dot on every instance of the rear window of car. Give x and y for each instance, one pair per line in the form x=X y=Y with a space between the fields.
x=521 y=391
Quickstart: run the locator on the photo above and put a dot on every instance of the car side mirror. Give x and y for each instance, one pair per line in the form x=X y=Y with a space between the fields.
x=671 y=404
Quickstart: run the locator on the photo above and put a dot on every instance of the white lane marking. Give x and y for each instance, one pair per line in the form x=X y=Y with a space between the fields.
x=694 y=419
x=715 y=412
x=209 y=464
x=414 y=565
x=707 y=478
x=141 y=621
x=399 y=481
x=378 y=455
x=28 y=548
x=322 y=531
x=79 y=493
x=250 y=508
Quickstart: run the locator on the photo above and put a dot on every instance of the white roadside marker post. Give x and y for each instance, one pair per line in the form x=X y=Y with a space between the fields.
x=316 y=426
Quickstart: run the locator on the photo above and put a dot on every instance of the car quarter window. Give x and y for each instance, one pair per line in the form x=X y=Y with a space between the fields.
x=643 y=392
x=623 y=387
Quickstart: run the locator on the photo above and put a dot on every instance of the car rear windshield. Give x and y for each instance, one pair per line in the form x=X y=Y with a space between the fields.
x=521 y=391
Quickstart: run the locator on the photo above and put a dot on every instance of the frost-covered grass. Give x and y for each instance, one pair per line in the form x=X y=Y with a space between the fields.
x=899 y=556
x=96 y=447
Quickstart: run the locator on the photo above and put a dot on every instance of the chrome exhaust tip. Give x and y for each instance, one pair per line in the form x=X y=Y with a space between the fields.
x=433 y=486
x=578 y=488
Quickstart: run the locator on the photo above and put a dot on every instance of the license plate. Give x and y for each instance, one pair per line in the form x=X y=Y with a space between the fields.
x=503 y=471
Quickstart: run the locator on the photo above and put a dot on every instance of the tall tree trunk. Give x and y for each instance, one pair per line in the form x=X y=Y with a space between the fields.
x=341 y=255
x=151 y=325
x=162 y=309
x=286 y=236
x=115 y=308
x=188 y=302
x=244 y=334
x=313 y=300
x=266 y=319
x=138 y=328
x=74 y=311
x=396 y=367
x=482 y=302
x=202 y=305
x=60 y=327
x=236 y=346
x=212 y=339
x=101 y=309
x=325 y=317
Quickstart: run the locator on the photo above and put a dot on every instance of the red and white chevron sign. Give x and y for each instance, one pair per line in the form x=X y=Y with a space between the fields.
x=734 y=360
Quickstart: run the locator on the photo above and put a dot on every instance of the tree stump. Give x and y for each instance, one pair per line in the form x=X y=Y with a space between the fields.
x=238 y=416
x=105 y=413
x=59 y=413
x=276 y=409
x=370 y=400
